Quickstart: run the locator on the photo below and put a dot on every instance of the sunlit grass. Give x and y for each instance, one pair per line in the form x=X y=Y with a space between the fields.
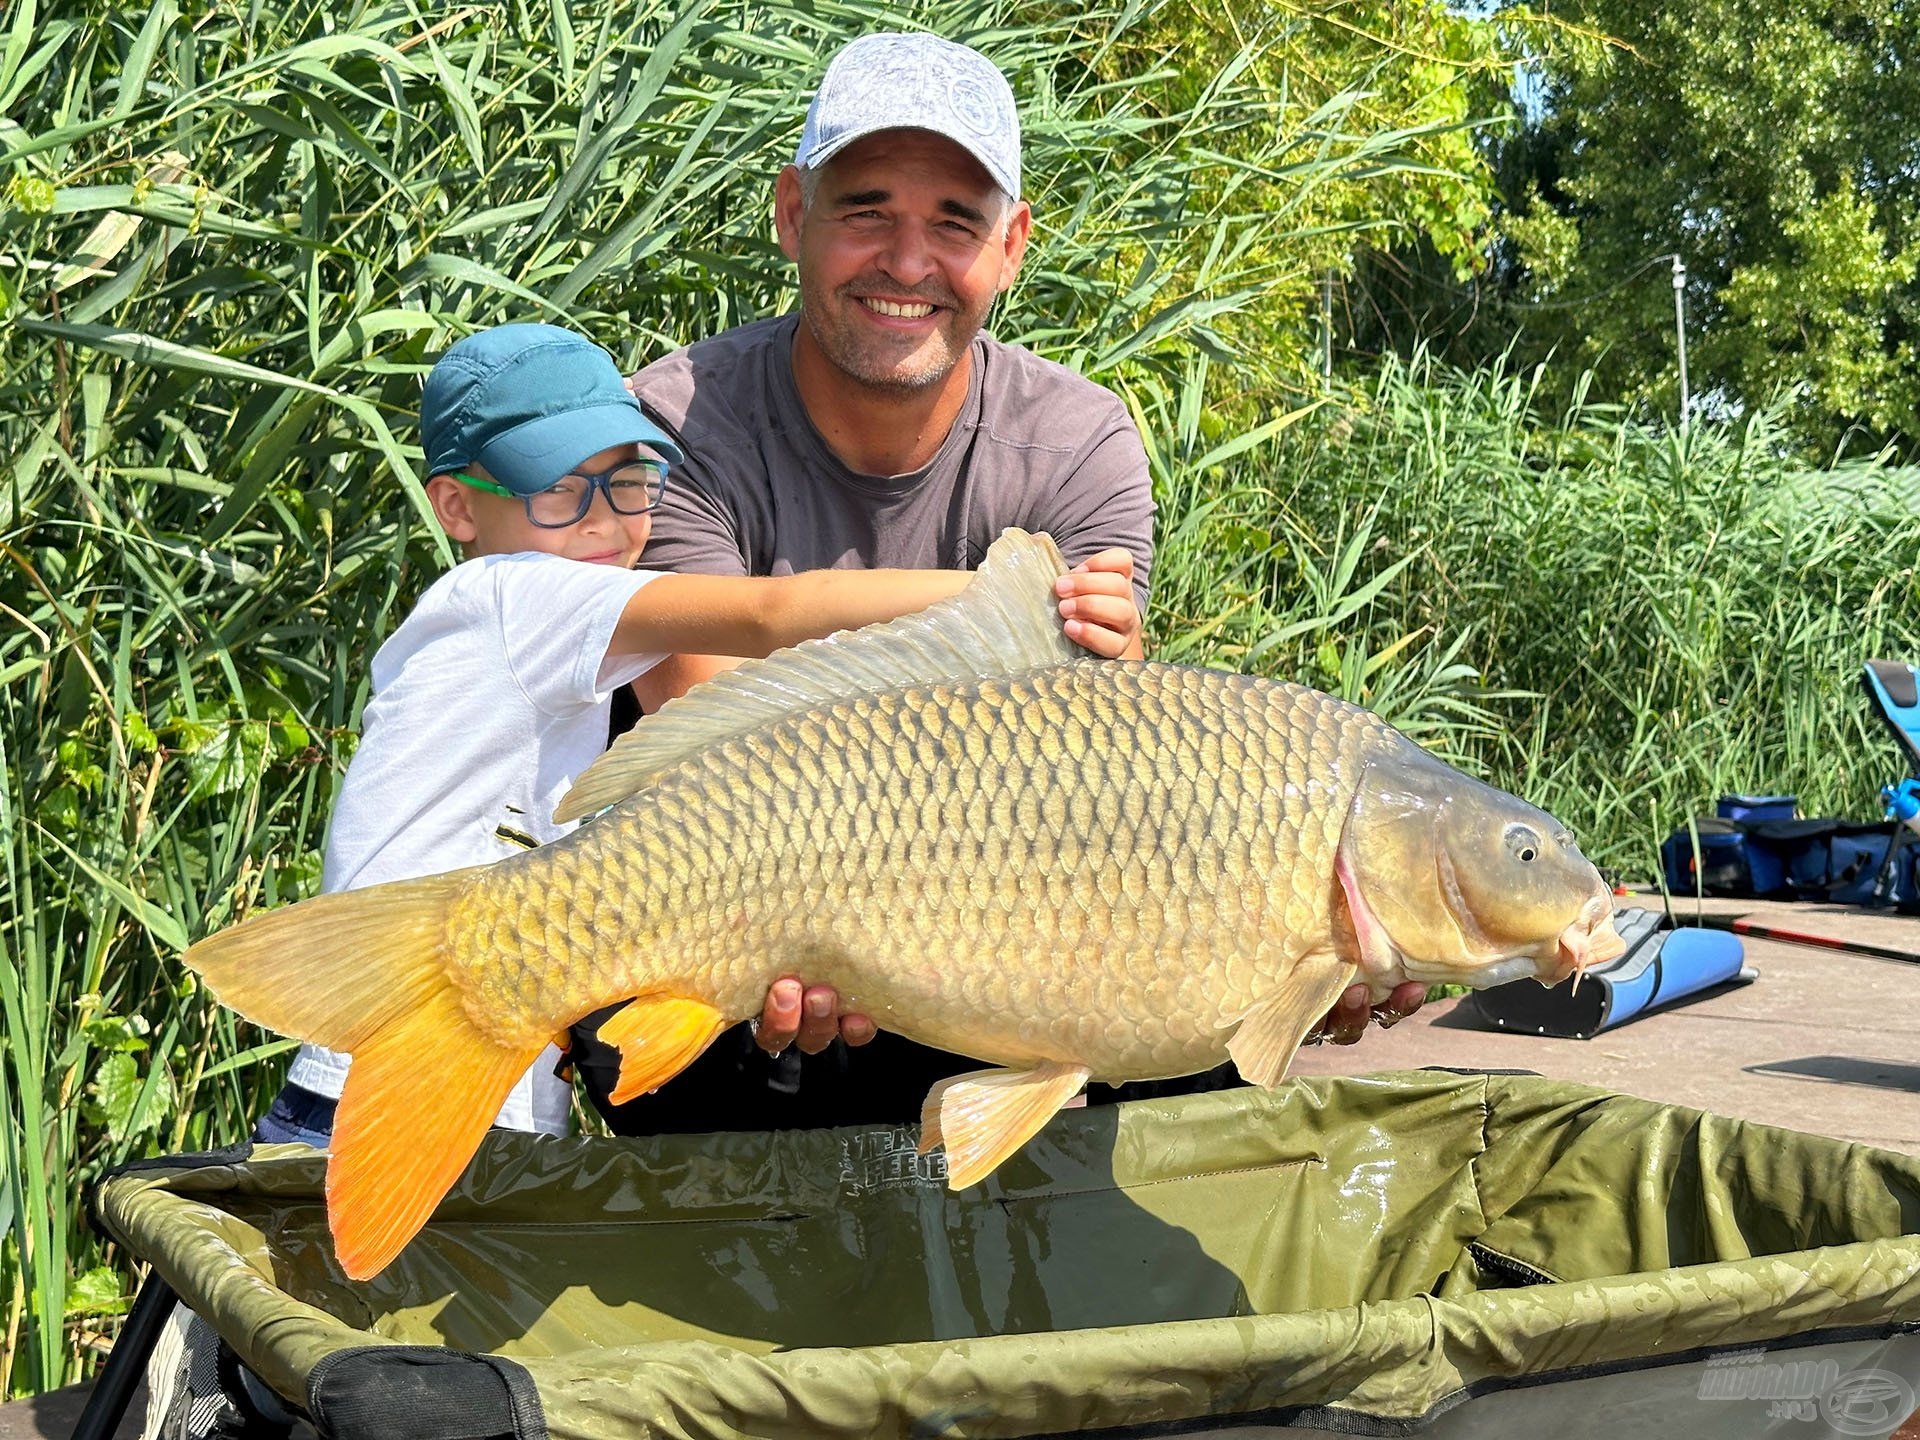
x=1651 y=618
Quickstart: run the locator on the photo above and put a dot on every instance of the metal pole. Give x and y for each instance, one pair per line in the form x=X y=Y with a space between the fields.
x=127 y=1361
x=1680 y=329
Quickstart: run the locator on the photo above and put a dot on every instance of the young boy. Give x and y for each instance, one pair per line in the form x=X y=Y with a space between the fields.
x=494 y=692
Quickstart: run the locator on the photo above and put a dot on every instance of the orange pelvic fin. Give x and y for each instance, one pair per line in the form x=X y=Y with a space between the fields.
x=1273 y=1026
x=658 y=1036
x=984 y=1116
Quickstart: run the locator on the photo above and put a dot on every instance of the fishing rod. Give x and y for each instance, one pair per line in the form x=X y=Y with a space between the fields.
x=1739 y=925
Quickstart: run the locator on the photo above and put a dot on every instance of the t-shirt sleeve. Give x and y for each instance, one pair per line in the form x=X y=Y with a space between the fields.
x=557 y=619
x=701 y=524
x=694 y=528
x=1106 y=499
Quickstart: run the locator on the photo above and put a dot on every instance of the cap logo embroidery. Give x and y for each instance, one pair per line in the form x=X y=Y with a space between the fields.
x=972 y=105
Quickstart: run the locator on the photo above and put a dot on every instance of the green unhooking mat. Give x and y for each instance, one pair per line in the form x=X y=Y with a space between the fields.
x=1408 y=1254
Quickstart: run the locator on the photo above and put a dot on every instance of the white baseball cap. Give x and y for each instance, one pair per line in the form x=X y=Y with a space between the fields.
x=915 y=82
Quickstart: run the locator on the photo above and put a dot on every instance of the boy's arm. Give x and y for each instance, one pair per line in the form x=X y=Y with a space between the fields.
x=737 y=615
x=702 y=619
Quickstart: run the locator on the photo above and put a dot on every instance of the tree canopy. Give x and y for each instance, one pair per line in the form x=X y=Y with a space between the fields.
x=1775 y=149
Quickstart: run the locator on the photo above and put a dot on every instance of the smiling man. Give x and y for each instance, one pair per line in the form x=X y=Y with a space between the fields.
x=879 y=426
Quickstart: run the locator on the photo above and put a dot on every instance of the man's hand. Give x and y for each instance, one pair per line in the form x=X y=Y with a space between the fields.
x=1096 y=601
x=808 y=1016
x=1347 y=1021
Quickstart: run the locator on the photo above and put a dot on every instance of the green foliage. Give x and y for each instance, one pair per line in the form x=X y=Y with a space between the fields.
x=1411 y=72
x=1657 y=618
x=233 y=239
x=1771 y=146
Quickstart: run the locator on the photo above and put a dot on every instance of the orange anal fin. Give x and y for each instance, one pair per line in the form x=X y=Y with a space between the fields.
x=984 y=1116
x=658 y=1036
x=1272 y=1028
x=929 y=1122
x=418 y=1097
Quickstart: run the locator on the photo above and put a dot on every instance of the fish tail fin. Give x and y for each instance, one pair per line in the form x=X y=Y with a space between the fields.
x=366 y=971
x=419 y=1096
x=337 y=968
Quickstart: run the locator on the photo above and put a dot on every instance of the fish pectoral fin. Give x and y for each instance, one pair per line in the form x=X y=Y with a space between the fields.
x=658 y=1036
x=984 y=1116
x=1272 y=1028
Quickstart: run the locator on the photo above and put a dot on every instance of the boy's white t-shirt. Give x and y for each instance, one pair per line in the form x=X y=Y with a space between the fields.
x=490 y=697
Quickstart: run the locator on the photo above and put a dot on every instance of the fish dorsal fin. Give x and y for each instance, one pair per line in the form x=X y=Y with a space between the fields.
x=1005 y=621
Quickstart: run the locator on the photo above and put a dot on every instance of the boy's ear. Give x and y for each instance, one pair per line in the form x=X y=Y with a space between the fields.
x=452 y=506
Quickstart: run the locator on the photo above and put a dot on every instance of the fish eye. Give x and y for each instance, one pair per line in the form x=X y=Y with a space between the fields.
x=1522 y=844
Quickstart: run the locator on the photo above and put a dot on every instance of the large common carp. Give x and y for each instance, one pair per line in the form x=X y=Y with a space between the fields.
x=1072 y=868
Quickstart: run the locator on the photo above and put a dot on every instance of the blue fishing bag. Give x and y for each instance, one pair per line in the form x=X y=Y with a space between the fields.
x=1758 y=807
x=1841 y=862
x=1728 y=862
x=1753 y=848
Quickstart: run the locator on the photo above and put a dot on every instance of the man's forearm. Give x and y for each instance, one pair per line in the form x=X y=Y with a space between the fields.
x=676 y=675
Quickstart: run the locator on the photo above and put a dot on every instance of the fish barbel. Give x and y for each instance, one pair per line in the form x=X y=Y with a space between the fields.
x=985 y=840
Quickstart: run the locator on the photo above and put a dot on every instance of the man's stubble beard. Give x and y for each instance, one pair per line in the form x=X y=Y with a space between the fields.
x=926 y=367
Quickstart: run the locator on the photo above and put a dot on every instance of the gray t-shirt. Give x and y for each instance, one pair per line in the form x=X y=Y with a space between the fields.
x=759 y=493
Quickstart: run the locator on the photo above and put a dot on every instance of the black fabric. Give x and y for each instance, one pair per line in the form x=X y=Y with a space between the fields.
x=625 y=713
x=736 y=1085
x=418 y=1392
x=1847 y=862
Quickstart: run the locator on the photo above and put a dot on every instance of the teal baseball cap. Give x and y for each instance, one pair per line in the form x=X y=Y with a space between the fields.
x=529 y=402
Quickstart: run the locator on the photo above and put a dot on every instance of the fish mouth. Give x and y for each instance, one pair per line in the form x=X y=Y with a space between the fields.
x=1590 y=940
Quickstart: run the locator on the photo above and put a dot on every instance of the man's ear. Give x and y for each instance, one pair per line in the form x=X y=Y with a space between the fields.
x=452 y=506
x=788 y=209
x=1014 y=243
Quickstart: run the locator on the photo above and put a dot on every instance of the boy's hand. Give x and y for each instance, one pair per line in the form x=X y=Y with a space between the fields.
x=1096 y=601
x=808 y=1016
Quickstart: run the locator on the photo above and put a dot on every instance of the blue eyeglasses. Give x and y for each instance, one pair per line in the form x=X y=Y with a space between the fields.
x=632 y=488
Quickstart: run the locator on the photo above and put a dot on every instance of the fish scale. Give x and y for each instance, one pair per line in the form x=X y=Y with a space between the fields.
x=1088 y=862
